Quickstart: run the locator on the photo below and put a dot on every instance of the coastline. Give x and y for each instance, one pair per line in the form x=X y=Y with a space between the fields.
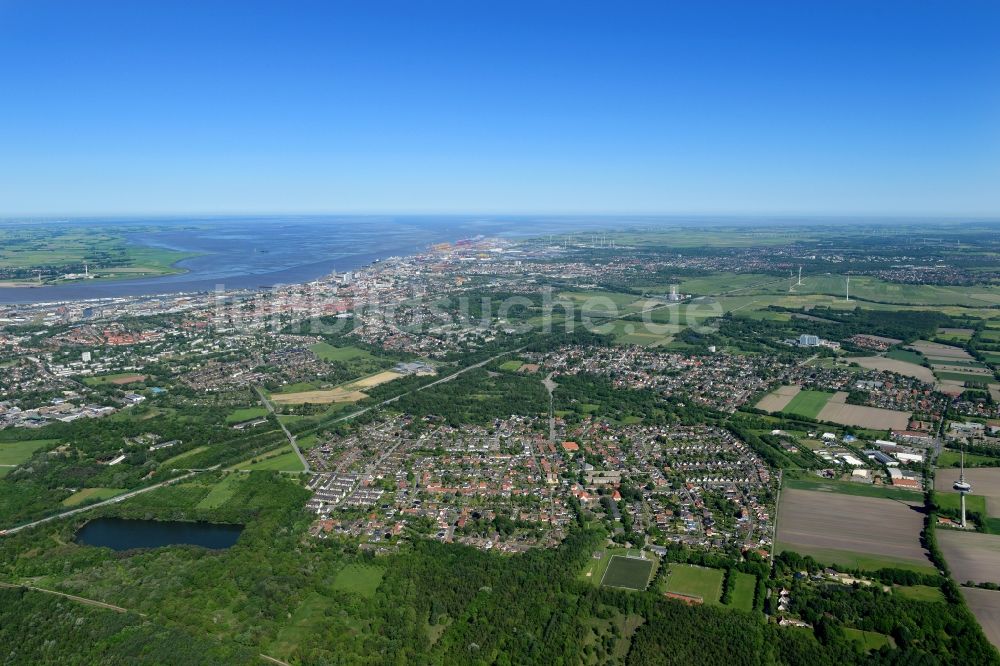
x=118 y=277
x=27 y=294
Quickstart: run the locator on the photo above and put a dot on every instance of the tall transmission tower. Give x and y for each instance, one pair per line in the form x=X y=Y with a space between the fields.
x=962 y=486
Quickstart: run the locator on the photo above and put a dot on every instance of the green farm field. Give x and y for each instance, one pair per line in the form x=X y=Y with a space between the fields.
x=173 y=460
x=964 y=377
x=635 y=333
x=853 y=559
x=808 y=403
x=850 y=488
x=949 y=458
x=953 y=502
x=900 y=354
x=863 y=288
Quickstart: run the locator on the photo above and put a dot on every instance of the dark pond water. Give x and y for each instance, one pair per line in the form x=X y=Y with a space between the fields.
x=125 y=534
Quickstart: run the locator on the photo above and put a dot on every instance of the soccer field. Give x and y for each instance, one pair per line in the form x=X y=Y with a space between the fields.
x=629 y=572
x=694 y=581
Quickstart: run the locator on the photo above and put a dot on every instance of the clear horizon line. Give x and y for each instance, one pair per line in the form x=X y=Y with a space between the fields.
x=39 y=216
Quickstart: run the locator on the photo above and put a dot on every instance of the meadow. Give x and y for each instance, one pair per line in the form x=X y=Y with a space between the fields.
x=15 y=453
x=246 y=414
x=119 y=379
x=744 y=591
x=919 y=593
x=91 y=495
x=328 y=352
x=279 y=460
x=359 y=579
x=220 y=493
x=866 y=288
x=868 y=640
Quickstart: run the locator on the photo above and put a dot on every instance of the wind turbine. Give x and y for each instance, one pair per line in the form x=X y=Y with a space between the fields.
x=962 y=486
x=847 y=294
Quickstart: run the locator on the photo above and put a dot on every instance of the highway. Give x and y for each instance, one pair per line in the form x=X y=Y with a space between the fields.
x=113 y=500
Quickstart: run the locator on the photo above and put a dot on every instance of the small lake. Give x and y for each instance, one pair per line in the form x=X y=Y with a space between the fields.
x=125 y=534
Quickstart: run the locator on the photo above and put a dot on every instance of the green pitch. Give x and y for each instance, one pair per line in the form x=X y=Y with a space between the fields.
x=628 y=572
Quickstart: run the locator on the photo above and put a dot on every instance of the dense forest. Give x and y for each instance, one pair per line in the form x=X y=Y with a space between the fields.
x=37 y=628
x=833 y=324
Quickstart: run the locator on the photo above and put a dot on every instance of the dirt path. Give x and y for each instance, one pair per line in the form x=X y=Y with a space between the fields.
x=73 y=597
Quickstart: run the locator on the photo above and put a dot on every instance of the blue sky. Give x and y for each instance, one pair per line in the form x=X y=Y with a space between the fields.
x=835 y=107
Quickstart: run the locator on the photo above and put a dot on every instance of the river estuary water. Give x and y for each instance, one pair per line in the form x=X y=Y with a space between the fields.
x=252 y=252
